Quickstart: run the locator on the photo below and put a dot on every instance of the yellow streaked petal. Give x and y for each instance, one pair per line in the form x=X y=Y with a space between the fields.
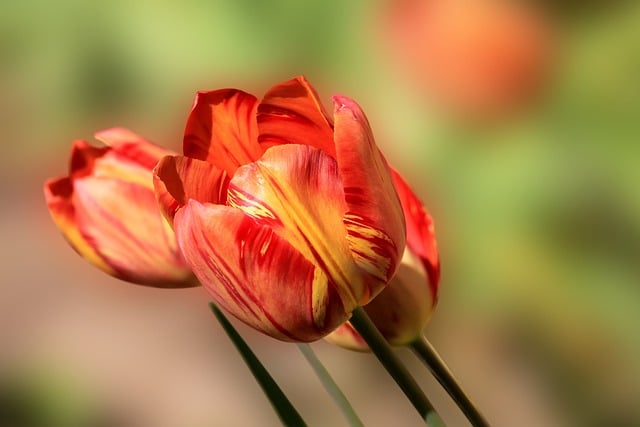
x=257 y=275
x=374 y=217
x=296 y=190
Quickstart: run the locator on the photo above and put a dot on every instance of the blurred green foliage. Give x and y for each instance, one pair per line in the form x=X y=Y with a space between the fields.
x=37 y=398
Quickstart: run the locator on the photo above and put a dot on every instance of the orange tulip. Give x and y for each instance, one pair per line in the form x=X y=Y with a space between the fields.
x=288 y=216
x=106 y=209
x=402 y=309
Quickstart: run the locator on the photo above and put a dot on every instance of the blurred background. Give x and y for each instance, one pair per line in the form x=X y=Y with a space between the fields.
x=518 y=123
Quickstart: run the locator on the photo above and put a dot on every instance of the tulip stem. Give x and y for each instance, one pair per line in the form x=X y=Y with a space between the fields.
x=430 y=357
x=383 y=351
x=330 y=385
x=283 y=407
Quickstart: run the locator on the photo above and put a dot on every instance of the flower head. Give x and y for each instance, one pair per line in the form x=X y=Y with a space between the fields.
x=403 y=308
x=287 y=215
x=107 y=211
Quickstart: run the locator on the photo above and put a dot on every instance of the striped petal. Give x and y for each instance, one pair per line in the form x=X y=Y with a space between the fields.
x=222 y=129
x=374 y=217
x=122 y=223
x=296 y=190
x=421 y=238
x=404 y=307
x=257 y=275
x=400 y=311
x=291 y=113
x=176 y=179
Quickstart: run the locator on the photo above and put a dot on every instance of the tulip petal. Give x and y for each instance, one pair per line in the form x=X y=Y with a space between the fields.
x=400 y=311
x=222 y=129
x=122 y=222
x=421 y=238
x=132 y=147
x=257 y=275
x=291 y=113
x=126 y=161
x=296 y=190
x=176 y=179
x=58 y=194
x=374 y=219
x=346 y=336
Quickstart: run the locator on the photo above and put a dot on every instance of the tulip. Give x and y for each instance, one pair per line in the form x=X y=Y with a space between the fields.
x=287 y=215
x=402 y=309
x=106 y=209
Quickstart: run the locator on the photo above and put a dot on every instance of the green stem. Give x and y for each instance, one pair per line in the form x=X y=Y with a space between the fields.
x=430 y=357
x=381 y=349
x=330 y=385
x=285 y=410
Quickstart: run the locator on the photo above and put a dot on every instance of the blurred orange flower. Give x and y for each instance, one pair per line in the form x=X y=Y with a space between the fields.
x=479 y=58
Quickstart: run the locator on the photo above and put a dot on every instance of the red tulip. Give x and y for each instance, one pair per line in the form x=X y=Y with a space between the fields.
x=402 y=309
x=106 y=209
x=288 y=216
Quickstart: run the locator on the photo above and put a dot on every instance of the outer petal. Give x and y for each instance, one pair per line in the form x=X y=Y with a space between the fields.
x=257 y=275
x=176 y=179
x=58 y=194
x=404 y=307
x=400 y=311
x=122 y=223
x=421 y=238
x=222 y=129
x=131 y=146
x=291 y=113
x=296 y=190
x=374 y=219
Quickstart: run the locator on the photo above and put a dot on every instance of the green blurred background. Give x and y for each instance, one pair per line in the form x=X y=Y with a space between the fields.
x=537 y=217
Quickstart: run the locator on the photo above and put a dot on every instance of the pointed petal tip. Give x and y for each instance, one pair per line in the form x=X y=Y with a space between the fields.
x=55 y=188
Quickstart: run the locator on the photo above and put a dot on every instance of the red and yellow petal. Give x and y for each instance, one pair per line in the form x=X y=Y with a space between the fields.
x=374 y=217
x=400 y=311
x=297 y=191
x=58 y=194
x=222 y=129
x=256 y=274
x=122 y=223
x=176 y=179
x=291 y=113
x=421 y=238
